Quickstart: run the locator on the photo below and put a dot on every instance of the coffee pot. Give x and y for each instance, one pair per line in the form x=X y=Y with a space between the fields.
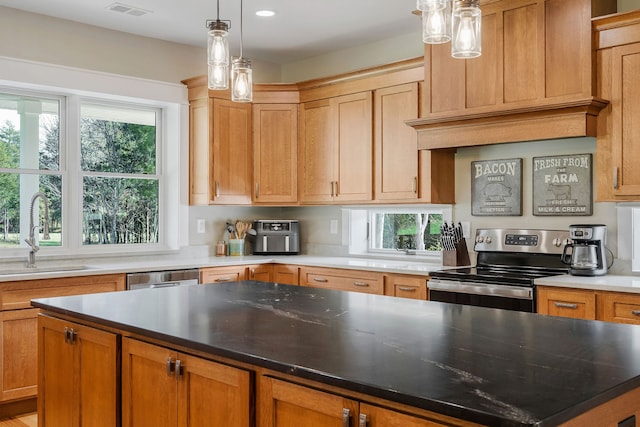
x=585 y=254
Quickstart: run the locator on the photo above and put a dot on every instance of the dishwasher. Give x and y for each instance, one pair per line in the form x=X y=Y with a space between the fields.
x=162 y=279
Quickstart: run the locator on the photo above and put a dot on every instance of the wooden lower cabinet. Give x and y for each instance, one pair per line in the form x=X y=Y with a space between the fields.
x=286 y=274
x=619 y=307
x=260 y=272
x=342 y=279
x=223 y=274
x=78 y=373
x=162 y=387
x=404 y=286
x=285 y=404
x=19 y=330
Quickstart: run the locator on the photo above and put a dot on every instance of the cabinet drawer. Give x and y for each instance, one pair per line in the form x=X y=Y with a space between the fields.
x=413 y=287
x=222 y=274
x=574 y=303
x=345 y=280
x=17 y=295
x=621 y=308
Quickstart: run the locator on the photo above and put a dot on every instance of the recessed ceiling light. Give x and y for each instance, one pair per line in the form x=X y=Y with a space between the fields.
x=129 y=10
x=265 y=13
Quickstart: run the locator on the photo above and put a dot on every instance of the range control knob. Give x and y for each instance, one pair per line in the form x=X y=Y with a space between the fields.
x=479 y=239
x=487 y=240
x=557 y=242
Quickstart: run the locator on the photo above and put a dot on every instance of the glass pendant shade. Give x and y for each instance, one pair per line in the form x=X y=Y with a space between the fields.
x=467 y=31
x=436 y=21
x=218 y=55
x=241 y=80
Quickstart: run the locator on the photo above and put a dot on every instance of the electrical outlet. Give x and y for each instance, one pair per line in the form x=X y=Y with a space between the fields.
x=466 y=229
x=334 y=226
x=201 y=228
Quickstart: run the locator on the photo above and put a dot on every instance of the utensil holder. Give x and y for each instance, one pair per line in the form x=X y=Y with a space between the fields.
x=236 y=247
x=457 y=258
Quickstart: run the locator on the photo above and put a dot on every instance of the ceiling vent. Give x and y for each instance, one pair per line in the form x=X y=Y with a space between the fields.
x=129 y=10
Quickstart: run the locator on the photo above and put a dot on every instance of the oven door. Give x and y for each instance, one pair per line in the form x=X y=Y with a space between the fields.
x=506 y=297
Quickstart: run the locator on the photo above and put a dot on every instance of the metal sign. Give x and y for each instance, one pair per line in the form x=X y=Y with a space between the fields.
x=496 y=187
x=562 y=185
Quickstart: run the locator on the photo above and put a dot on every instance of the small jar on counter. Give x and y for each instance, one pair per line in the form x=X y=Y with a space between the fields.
x=221 y=248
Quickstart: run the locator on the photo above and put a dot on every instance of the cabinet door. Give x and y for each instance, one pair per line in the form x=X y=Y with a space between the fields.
x=200 y=151
x=353 y=116
x=414 y=287
x=625 y=126
x=285 y=274
x=232 y=154
x=375 y=416
x=283 y=404
x=78 y=375
x=396 y=144
x=620 y=307
x=149 y=387
x=19 y=340
x=275 y=153
x=317 y=152
x=222 y=274
x=261 y=272
x=575 y=303
x=212 y=394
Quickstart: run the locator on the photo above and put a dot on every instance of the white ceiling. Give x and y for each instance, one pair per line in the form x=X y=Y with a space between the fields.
x=300 y=28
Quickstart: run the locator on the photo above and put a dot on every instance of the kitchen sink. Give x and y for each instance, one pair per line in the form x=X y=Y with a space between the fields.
x=41 y=269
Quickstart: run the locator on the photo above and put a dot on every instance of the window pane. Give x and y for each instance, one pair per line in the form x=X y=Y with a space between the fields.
x=16 y=193
x=29 y=132
x=120 y=211
x=413 y=231
x=117 y=139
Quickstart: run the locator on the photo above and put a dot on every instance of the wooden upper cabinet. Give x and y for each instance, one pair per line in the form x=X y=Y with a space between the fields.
x=275 y=153
x=534 y=79
x=336 y=149
x=618 y=39
x=396 y=144
x=232 y=156
x=199 y=151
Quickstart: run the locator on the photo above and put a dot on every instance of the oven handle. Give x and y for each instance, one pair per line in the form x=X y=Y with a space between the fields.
x=475 y=288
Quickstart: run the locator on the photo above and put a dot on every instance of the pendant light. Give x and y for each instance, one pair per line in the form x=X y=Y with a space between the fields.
x=218 y=53
x=467 y=35
x=458 y=21
x=241 y=74
x=436 y=20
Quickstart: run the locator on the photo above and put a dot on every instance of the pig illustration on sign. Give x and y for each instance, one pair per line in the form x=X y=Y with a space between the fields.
x=496 y=192
x=560 y=192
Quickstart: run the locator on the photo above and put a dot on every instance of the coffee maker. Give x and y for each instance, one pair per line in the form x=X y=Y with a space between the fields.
x=585 y=255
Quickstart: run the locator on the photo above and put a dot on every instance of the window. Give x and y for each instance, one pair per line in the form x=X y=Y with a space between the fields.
x=397 y=230
x=29 y=165
x=120 y=191
x=114 y=148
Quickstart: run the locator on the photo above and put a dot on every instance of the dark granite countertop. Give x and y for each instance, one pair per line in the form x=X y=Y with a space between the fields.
x=495 y=367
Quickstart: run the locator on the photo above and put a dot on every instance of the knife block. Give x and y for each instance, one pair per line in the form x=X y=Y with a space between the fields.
x=457 y=258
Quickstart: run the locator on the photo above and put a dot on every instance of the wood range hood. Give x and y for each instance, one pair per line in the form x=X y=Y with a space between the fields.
x=535 y=79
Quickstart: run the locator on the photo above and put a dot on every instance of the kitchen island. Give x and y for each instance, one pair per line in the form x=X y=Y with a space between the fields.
x=429 y=362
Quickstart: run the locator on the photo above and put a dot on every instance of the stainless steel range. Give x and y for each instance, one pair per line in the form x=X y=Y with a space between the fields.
x=508 y=261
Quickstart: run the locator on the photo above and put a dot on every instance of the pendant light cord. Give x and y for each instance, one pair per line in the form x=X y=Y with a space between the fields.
x=241 y=39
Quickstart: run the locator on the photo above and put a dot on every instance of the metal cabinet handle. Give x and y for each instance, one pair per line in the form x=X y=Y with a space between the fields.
x=223 y=279
x=415 y=185
x=362 y=420
x=169 y=366
x=320 y=279
x=337 y=188
x=407 y=289
x=69 y=335
x=361 y=284
x=635 y=312
x=217 y=188
x=565 y=305
x=257 y=190
x=179 y=369
x=615 y=178
x=346 y=417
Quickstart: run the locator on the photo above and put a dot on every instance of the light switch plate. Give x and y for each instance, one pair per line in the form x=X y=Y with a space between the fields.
x=334 y=226
x=201 y=228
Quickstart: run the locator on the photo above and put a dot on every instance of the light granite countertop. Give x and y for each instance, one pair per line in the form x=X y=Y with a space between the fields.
x=608 y=282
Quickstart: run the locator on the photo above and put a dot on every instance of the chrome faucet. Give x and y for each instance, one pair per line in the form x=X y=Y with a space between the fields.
x=31 y=241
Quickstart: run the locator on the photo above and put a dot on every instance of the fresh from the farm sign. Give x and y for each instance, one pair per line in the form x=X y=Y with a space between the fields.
x=496 y=187
x=562 y=185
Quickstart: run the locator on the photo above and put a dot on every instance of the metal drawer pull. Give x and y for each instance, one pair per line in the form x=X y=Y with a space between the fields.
x=565 y=305
x=407 y=289
x=224 y=279
x=320 y=279
x=362 y=420
x=361 y=284
x=635 y=312
x=169 y=366
x=346 y=417
x=178 y=369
